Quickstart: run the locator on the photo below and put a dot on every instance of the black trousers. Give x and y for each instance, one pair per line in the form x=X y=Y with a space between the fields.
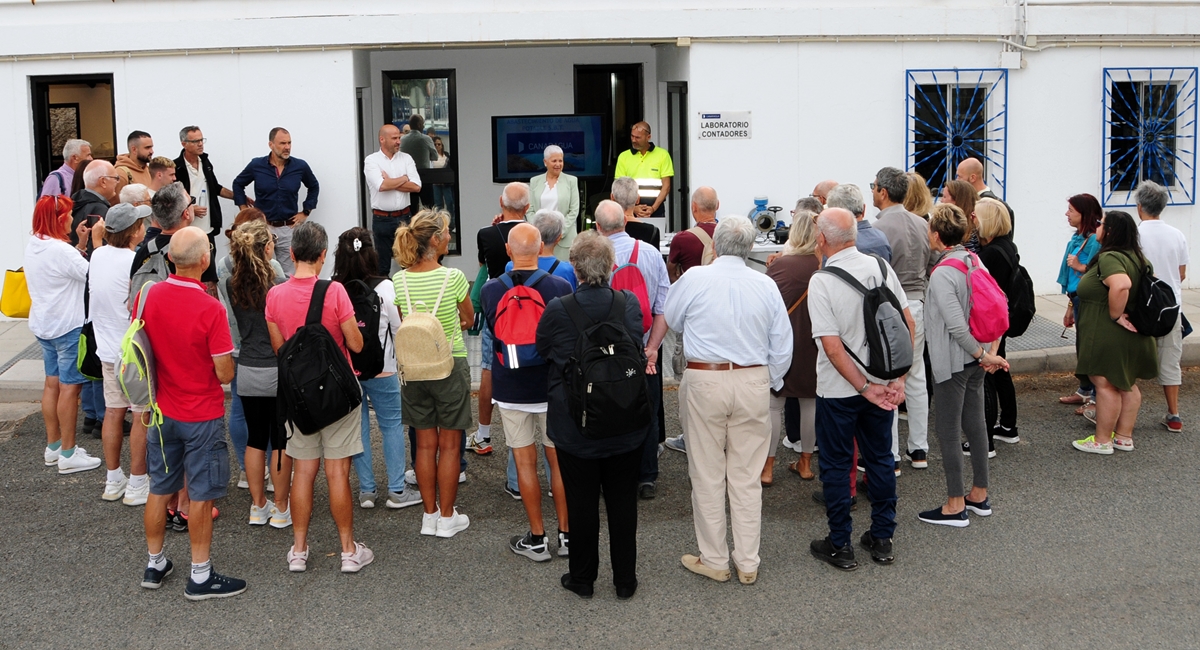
x=998 y=391
x=582 y=479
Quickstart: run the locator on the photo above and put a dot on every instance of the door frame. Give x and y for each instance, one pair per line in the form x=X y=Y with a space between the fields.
x=39 y=102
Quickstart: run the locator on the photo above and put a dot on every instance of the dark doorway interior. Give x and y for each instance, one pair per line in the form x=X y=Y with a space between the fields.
x=73 y=106
x=614 y=91
x=679 y=204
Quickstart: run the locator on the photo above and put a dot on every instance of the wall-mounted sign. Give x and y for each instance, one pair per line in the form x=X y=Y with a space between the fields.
x=729 y=125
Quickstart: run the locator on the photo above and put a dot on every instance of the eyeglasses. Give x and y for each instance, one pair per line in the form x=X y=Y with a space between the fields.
x=198 y=141
x=872 y=186
x=115 y=178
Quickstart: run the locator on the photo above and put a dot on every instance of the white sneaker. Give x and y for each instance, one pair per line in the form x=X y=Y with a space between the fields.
x=429 y=522
x=137 y=496
x=410 y=477
x=453 y=525
x=79 y=461
x=403 y=500
x=242 y=482
x=361 y=557
x=270 y=484
x=794 y=446
x=51 y=456
x=281 y=519
x=297 y=562
x=462 y=477
x=114 y=490
x=260 y=516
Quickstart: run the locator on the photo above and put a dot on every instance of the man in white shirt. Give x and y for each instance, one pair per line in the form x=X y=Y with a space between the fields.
x=738 y=342
x=1166 y=249
x=852 y=405
x=391 y=175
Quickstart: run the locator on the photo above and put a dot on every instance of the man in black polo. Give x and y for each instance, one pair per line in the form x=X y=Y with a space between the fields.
x=277 y=178
x=391 y=175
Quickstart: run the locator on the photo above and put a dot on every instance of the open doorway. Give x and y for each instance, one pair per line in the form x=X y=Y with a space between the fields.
x=614 y=91
x=67 y=107
x=679 y=213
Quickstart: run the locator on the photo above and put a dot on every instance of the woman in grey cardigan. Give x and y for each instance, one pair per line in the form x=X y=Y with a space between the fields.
x=557 y=191
x=959 y=362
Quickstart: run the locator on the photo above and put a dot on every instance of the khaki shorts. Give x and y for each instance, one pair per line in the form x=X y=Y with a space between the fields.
x=114 y=398
x=521 y=429
x=1170 y=351
x=439 y=404
x=341 y=439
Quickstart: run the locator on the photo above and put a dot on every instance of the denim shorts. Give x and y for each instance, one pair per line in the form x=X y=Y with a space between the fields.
x=485 y=347
x=197 y=450
x=60 y=357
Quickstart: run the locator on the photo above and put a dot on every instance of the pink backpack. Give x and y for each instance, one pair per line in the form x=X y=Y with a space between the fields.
x=988 y=317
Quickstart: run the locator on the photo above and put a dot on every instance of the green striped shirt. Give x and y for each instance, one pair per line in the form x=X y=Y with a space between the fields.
x=423 y=290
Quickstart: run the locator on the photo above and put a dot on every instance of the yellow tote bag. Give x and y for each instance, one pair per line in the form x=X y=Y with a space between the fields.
x=15 y=301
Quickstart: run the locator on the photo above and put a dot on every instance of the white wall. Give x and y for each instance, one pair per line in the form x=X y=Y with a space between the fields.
x=513 y=81
x=235 y=99
x=825 y=110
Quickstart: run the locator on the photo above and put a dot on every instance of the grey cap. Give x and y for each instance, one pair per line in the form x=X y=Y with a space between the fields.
x=124 y=215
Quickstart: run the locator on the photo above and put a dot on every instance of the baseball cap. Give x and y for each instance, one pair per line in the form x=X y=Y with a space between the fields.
x=124 y=215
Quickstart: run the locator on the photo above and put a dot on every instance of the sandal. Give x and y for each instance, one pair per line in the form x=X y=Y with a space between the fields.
x=1090 y=403
x=1073 y=398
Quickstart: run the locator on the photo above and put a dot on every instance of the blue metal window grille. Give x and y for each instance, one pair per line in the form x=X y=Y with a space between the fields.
x=1149 y=133
x=953 y=115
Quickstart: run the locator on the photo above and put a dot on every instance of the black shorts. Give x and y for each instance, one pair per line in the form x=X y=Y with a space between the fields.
x=262 y=425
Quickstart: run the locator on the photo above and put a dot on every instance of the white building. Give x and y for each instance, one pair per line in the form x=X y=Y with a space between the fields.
x=833 y=90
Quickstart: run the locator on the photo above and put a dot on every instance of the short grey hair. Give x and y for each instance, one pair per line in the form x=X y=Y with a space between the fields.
x=1151 y=197
x=94 y=171
x=183 y=133
x=135 y=193
x=550 y=223
x=168 y=205
x=625 y=192
x=515 y=197
x=894 y=182
x=74 y=147
x=734 y=237
x=846 y=196
x=834 y=235
x=593 y=257
x=610 y=218
x=705 y=198
x=551 y=150
x=810 y=203
x=309 y=240
x=192 y=255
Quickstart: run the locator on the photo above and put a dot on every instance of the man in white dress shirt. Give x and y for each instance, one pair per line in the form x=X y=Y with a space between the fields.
x=391 y=174
x=738 y=342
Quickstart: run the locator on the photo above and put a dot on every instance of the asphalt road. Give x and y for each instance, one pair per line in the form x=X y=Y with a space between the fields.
x=1082 y=551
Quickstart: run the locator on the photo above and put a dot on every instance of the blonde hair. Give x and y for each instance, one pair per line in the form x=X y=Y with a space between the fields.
x=949 y=222
x=416 y=241
x=993 y=219
x=252 y=273
x=802 y=238
x=918 y=200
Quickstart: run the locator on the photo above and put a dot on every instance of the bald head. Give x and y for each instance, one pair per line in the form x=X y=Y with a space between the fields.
x=705 y=205
x=524 y=246
x=610 y=218
x=100 y=177
x=837 y=230
x=971 y=171
x=189 y=250
x=821 y=191
x=514 y=201
x=389 y=139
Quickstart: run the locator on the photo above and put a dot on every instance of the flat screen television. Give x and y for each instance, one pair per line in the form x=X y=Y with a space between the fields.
x=518 y=143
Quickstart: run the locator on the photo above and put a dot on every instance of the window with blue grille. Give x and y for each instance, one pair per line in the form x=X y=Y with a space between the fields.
x=1149 y=133
x=954 y=115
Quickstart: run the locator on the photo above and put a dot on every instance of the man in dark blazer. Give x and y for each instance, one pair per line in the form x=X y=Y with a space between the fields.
x=191 y=167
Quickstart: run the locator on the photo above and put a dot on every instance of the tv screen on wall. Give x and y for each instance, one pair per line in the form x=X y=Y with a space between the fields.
x=518 y=143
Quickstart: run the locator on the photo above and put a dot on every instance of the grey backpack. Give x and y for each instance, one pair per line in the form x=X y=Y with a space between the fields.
x=153 y=269
x=889 y=343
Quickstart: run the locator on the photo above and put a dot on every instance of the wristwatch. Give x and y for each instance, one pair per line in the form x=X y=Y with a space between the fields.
x=865 y=386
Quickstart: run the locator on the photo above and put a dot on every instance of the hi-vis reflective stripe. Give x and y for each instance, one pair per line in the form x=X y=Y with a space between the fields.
x=514 y=361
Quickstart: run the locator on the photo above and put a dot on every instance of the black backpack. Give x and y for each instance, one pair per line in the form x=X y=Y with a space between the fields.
x=889 y=343
x=1021 y=301
x=368 y=309
x=317 y=387
x=606 y=376
x=1152 y=307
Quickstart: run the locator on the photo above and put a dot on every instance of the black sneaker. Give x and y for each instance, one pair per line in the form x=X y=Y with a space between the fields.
x=981 y=508
x=881 y=549
x=966 y=447
x=531 y=546
x=819 y=497
x=217 y=586
x=918 y=459
x=516 y=494
x=841 y=558
x=581 y=589
x=152 y=578
x=177 y=521
x=647 y=491
x=1011 y=436
x=936 y=516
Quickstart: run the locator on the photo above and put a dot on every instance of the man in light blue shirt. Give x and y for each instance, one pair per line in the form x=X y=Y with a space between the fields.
x=610 y=222
x=870 y=240
x=738 y=342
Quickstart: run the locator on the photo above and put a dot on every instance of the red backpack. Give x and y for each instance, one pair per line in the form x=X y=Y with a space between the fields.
x=988 y=316
x=517 y=317
x=628 y=276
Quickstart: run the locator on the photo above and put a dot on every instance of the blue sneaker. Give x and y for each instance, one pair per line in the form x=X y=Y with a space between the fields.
x=678 y=443
x=217 y=586
x=936 y=516
x=981 y=508
x=153 y=578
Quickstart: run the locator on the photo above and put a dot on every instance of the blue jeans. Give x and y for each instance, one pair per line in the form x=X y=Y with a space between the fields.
x=443 y=197
x=511 y=476
x=384 y=396
x=59 y=357
x=839 y=423
x=383 y=230
x=238 y=433
x=91 y=398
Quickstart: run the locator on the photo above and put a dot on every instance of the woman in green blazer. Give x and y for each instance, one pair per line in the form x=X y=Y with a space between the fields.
x=555 y=190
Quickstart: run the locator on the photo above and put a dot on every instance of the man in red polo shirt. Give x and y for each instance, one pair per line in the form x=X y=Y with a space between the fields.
x=193 y=354
x=687 y=248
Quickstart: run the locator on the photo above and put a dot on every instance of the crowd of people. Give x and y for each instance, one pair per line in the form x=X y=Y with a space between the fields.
x=572 y=330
